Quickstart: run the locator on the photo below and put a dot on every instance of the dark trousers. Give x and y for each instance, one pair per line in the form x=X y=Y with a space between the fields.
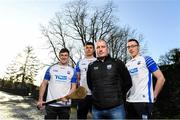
x=139 y=110
x=84 y=106
x=57 y=112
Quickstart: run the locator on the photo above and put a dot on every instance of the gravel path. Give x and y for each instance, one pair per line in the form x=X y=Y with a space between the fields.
x=13 y=107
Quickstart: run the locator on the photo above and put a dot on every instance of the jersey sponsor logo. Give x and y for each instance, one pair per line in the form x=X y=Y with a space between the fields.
x=133 y=71
x=109 y=67
x=61 y=77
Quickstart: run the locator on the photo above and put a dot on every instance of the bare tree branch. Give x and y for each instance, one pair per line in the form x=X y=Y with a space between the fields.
x=78 y=25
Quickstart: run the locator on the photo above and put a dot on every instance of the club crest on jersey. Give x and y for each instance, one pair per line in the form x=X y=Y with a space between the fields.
x=109 y=67
x=68 y=72
x=95 y=68
x=55 y=70
x=83 y=64
x=139 y=62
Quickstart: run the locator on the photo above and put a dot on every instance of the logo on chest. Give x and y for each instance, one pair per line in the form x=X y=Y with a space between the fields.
x=61 y=77
x=55 y=70
x=109 y=67
x=133 y=71
x=96 y=68
x=139 y=62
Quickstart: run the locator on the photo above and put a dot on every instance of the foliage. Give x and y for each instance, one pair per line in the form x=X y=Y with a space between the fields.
x=24 y=68
x=168 y=104
x=171 y=57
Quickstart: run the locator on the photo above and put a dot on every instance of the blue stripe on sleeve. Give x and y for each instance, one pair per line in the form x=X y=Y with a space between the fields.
x=149 y=87
x=74 y=78
x=47 y=75
x=151 y=64
x=77 y=67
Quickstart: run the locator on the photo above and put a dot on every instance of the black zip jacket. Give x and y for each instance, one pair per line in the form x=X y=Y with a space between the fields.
x=109 y=82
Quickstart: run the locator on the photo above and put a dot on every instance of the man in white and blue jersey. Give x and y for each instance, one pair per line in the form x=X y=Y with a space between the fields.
x=60 y=80
x=141 y=96
x=85 y=105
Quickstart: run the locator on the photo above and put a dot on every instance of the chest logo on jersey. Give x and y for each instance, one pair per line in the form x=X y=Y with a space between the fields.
x=96 y=68
x=61 y=77
x=55 y=70
x=134 y=70
x=83 y=64
x=109 y=67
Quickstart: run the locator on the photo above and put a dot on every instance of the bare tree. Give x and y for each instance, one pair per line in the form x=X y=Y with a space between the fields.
x=76 y=13
x=56 y=35
x=77 y=24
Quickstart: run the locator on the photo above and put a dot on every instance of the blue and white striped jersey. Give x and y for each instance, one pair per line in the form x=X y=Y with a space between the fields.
x=82 y=67
x=141 y=69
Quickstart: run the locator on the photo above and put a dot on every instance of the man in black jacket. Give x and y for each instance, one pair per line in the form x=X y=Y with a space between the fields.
x=109 y=81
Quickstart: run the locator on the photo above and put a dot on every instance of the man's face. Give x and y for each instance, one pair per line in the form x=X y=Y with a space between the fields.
x=89 y=50
x=64 y=57
x=101 y=49
x=133 y=48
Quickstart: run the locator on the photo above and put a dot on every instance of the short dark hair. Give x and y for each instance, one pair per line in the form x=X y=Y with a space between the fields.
x=130 y=40
x=89 y=43
x=63 y=50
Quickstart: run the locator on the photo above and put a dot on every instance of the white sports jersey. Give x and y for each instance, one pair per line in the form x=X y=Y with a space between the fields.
x=82 y=67
x=141 y=69
x=59 y=82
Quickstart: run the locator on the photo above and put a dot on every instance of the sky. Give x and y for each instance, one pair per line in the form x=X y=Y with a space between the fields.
x=157 y=20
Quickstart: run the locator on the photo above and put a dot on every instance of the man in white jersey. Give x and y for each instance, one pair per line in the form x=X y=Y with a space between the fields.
x=60 y=80
x=141 y=96
x=85 y=105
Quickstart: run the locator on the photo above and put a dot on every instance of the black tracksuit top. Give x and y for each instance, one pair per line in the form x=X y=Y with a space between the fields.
x=109 y=82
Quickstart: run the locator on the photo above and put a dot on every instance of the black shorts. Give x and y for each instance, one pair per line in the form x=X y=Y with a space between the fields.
x=84 y=106
x=139 y=110
x=57 y=112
